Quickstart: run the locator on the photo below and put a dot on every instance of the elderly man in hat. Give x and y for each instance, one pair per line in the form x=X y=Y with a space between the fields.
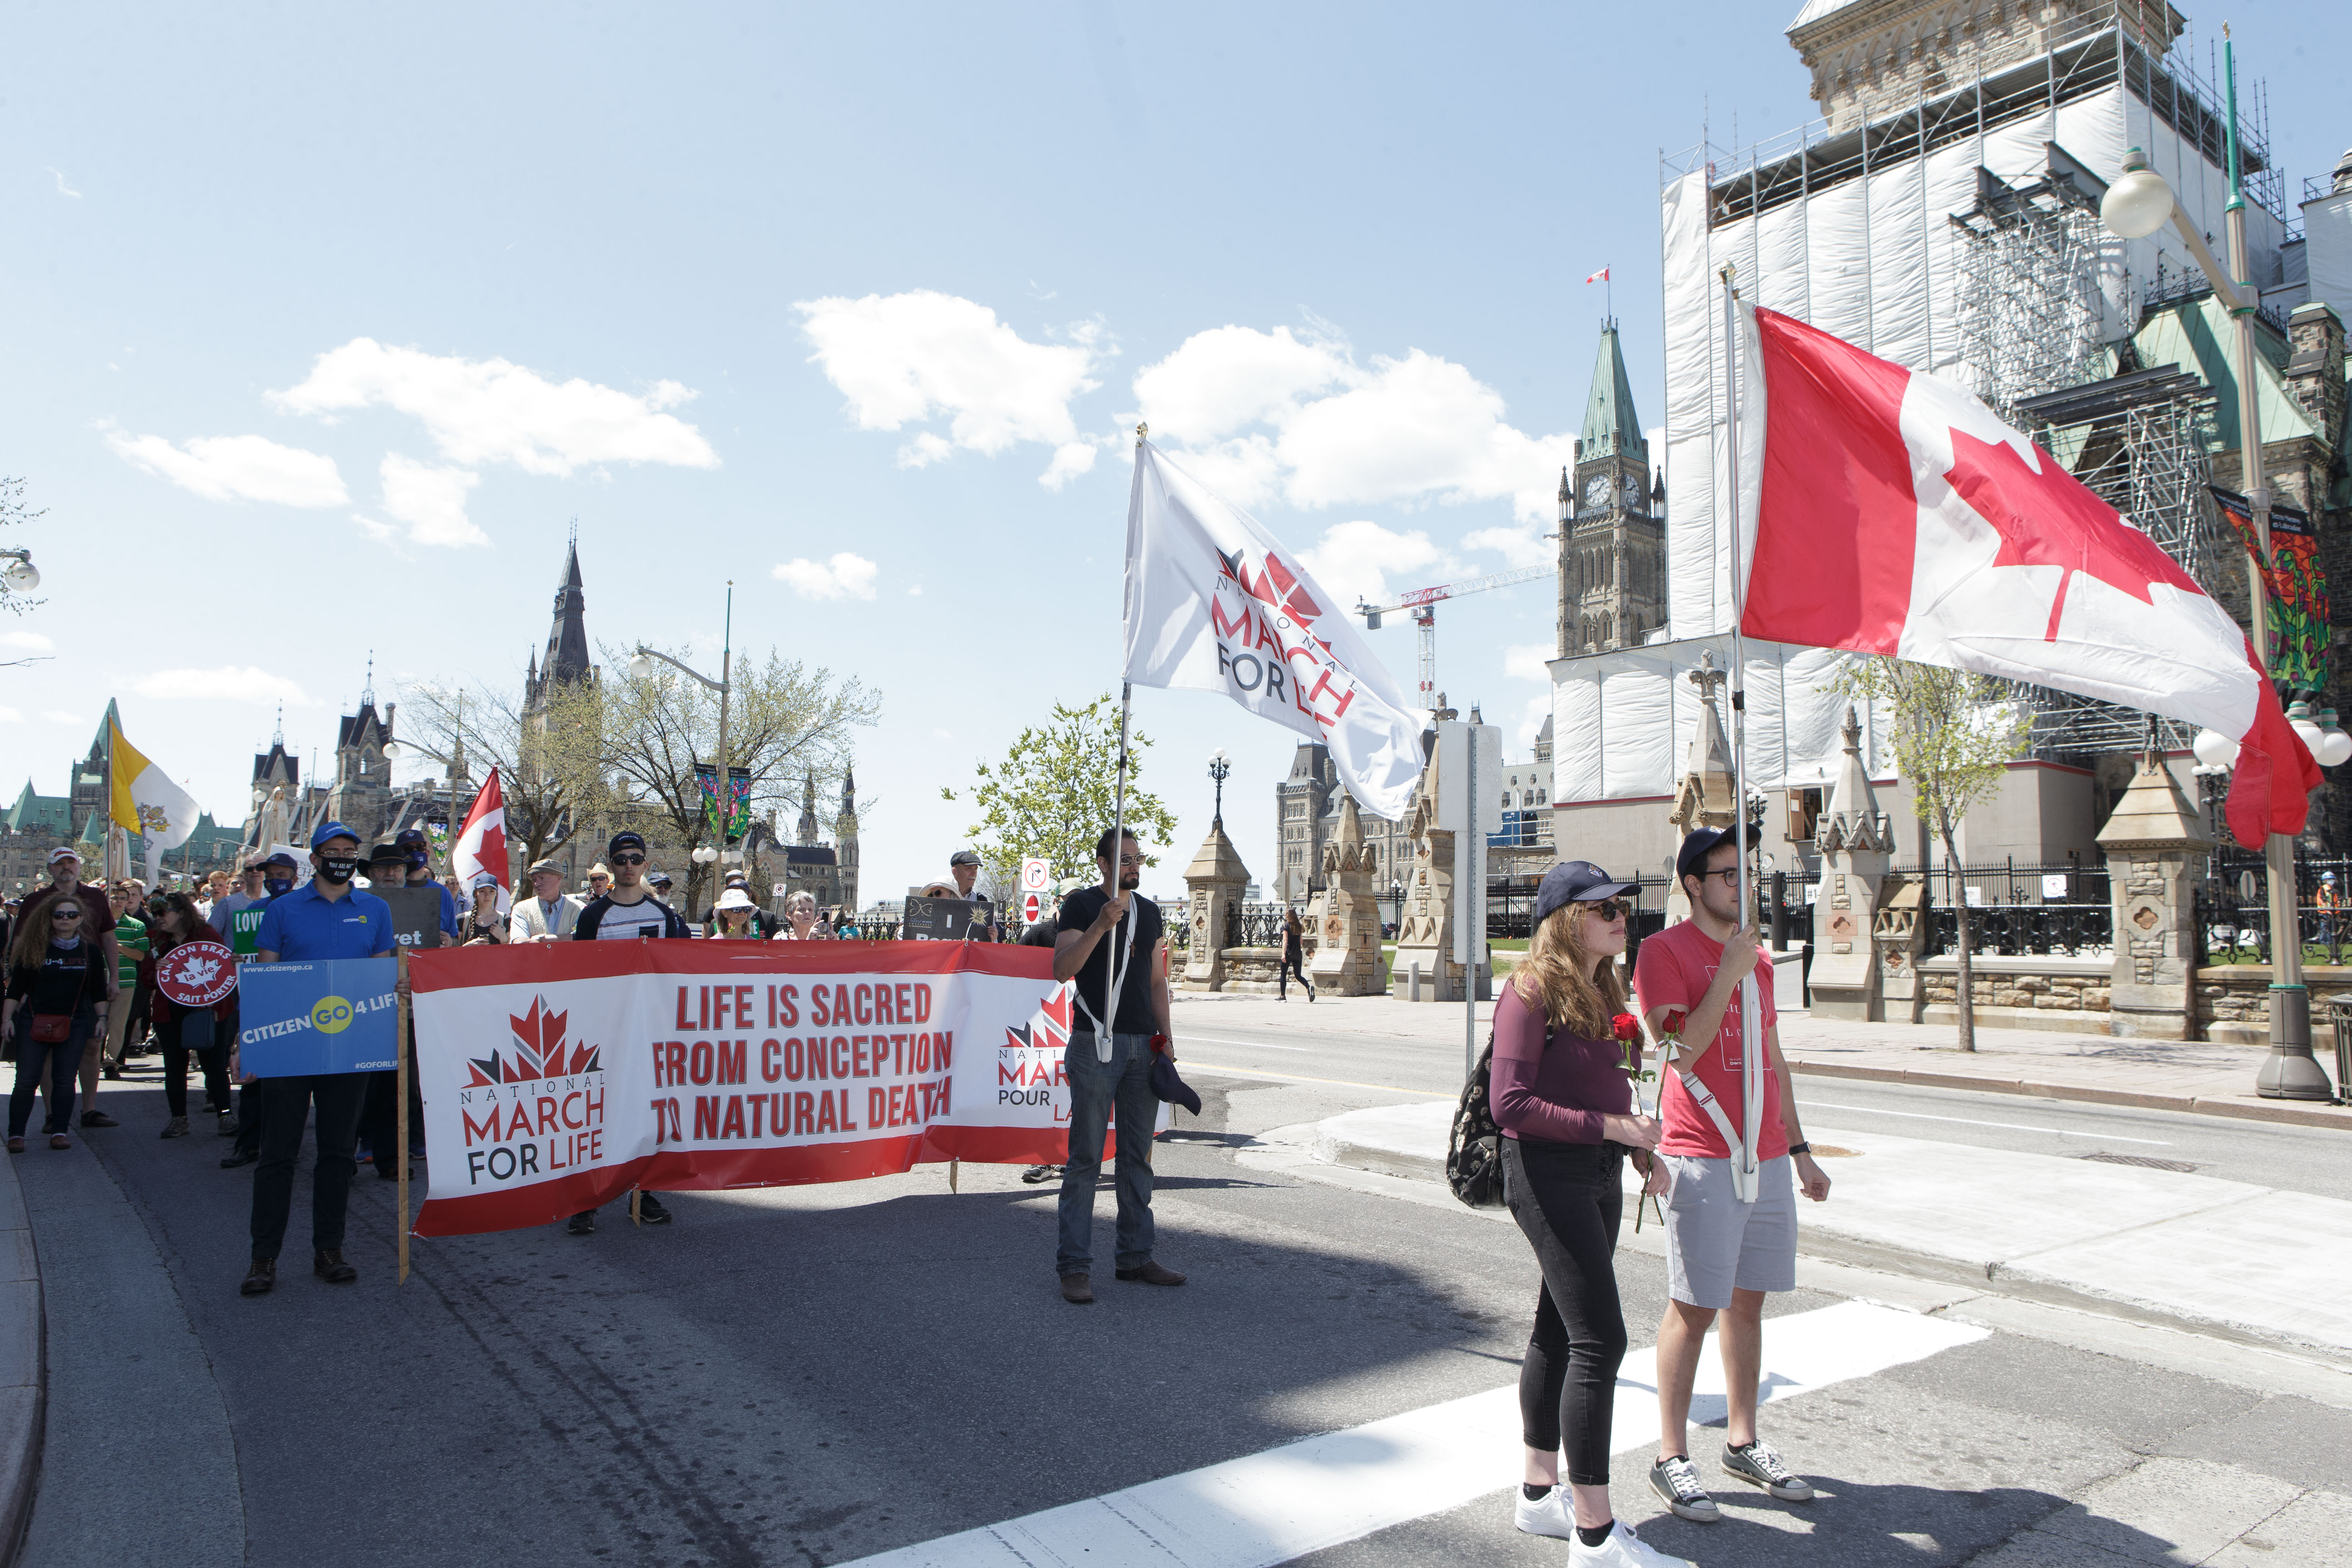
x=963 y=866
x=549 y=913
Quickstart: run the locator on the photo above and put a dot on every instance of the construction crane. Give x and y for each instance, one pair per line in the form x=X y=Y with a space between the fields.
x=1423 y=602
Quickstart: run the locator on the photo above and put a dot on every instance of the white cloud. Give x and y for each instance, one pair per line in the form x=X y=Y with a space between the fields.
x=845 y=576
x=490 y=411
x=1531 y=721
x=1519 y=546
x=1526 y=662
x=235 y=468
x=1352 y=561
x=64 y=189
x=1070 y=459
x=10 y=716
x=59 y=716
x=31 y=642
x=904 y=359
x=230 y=683
x=382 y=533
x=1338 y=433
x=431 y=500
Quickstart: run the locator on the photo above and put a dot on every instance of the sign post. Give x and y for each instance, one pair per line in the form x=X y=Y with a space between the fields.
x=1469 y=761
x=400 y=1050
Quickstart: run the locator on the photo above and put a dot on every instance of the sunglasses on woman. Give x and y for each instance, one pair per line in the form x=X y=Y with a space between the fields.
x=67 y=915
x=1609 y=908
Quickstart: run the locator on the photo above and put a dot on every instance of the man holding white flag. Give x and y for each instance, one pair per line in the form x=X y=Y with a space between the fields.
x=146 y=802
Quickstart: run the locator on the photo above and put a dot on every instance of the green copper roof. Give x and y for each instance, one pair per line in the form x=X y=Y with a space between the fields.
x=1611 y=425
x=34 y=811
x=2199 y=336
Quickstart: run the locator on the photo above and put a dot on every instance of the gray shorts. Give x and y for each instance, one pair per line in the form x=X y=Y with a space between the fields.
x=1716 y=1243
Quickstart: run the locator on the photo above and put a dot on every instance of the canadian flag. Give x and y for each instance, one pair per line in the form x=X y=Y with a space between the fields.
x=1600 y=277
x=1892 y=513
x=482 y=844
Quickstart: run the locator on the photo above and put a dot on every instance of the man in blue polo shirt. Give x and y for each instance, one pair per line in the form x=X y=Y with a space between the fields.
x=330 y=919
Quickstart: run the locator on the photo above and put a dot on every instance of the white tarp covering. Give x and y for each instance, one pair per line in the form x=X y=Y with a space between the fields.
x=1622 y=722
x=1876 y=262
x=2328 y=224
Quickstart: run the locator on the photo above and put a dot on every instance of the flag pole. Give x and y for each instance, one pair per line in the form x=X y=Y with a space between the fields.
x=400 y=1055
x=1111 y=976
x=1744 y=1169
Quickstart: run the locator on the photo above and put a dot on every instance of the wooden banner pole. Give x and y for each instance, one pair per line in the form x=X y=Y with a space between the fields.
x=399 y=1053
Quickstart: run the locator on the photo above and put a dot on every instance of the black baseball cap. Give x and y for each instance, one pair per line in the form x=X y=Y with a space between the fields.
x=624 y=840
x=1578 y=882
x=383 y=852
x=1697 y=844
x=410 y=837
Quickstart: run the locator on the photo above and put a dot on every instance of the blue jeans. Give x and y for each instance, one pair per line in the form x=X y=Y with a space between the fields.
x=1094 y=1086
x=64 y=1061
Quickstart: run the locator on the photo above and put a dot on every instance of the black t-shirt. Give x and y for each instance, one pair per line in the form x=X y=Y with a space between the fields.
x=1137 y=966
x=69 y=978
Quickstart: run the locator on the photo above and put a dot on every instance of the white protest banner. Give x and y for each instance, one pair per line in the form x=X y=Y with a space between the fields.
x=557 y=1076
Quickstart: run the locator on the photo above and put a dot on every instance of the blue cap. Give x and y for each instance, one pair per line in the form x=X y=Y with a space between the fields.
x=332 y=831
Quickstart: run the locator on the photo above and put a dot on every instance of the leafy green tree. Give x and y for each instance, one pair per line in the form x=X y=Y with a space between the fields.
x=1954 y=735
x=1051 y=796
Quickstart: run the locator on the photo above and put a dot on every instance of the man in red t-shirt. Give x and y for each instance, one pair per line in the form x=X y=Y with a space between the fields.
x=1723 y=1255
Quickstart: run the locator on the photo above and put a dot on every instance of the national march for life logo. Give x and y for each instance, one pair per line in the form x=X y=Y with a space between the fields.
x=1266 y=647
x=535 y=1110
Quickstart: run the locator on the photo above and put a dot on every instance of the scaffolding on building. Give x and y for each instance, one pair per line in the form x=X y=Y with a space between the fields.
x=2029 y=309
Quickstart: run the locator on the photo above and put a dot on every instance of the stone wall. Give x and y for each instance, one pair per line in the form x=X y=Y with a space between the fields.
x=2069 y=995
x=2233 y=1002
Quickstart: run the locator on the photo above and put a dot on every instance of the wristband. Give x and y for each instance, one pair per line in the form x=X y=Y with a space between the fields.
x=1800 y=1148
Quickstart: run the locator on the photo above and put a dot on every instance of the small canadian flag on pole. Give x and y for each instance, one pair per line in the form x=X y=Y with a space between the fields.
x=1600 y=277
x=482 y=844
x=1889 y=512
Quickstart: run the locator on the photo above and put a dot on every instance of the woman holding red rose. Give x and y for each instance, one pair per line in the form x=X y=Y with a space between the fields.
x=1561 y=1091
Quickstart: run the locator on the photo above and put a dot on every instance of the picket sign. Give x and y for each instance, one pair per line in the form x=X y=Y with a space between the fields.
x=557 y=1077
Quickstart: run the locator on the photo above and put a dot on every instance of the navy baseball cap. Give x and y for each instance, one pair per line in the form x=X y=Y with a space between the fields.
x=1697 y=844
x=408 y=835
x=332 y=831
x=624 y=840
x=280 y=858
x=1578 y=882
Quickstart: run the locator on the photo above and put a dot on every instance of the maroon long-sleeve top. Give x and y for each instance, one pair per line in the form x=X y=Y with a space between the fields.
x=1553 y=1085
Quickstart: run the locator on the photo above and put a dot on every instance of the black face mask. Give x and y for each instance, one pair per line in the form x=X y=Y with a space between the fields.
x=339 y=868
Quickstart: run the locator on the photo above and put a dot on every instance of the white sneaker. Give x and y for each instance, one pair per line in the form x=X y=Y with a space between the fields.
x=1623 y=1549
x=1550 y=1516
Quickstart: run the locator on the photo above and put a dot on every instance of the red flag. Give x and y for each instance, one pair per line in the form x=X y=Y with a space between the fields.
x=1895 y=514
x=482 y=843
x=1600 y=277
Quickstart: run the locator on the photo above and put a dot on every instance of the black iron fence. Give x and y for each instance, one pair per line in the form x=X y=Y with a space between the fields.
x=2233 y=915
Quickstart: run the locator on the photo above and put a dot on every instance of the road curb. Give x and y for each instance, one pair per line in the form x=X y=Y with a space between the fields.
x=2293 y=1114
x=23 y=1367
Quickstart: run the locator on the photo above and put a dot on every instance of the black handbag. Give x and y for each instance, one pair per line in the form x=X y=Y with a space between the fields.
x=1474 y=1155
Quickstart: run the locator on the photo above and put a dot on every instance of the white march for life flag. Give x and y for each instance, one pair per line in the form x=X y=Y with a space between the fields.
x=1213 y=603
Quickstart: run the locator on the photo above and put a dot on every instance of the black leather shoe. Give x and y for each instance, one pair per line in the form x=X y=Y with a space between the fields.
x=260 y=1277
x=1152 y=1274
x=331 y=1266
x=240 y=1157
x=584 y=1222
x=1077 y=1289
x=650 y=1210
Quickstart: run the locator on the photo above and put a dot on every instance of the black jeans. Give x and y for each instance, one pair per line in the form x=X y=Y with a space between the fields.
x=380 y=1123
x=212 y=1060
x=1567 y=1200
x=287 y=1103
x=1293 y=959
x=64 y=1059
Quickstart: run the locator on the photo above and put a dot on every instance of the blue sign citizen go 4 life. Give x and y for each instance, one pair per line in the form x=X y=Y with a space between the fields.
x=334 y=1015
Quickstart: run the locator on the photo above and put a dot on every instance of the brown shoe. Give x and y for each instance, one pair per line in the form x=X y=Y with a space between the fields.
x=260 y=1277
x=1077 y=1289
x=331 y=1266
x=1152 y=1274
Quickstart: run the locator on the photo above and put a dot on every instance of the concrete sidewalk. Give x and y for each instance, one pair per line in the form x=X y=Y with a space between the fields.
x=23 y=1365
x=2248 y=1262
x=2211 y=1078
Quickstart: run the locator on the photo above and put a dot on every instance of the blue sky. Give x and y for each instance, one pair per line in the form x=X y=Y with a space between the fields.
x=322 y=326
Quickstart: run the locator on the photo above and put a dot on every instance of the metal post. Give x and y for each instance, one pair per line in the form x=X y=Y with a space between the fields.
x=726 y=779
x=400 y=1052
x=1745 y=1171
x=1469 y=901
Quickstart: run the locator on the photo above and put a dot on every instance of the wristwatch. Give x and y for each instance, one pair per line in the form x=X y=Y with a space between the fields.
x=1800 y=1148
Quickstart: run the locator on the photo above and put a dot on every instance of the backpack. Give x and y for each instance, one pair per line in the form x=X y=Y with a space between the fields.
x=1474 y=1156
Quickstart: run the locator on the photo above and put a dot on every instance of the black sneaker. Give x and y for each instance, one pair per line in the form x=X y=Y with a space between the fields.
x=240 y=1157
x=1675 y=1481
x=1758 y=1465
x=1037 y=1174
x=263 y=1275
x=650 y=1210
x=584 y=1222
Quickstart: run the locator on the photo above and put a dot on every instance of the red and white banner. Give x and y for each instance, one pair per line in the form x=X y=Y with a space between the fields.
x=481 y=846
x=1890 y=512
x=196 y=974
x=557 y=1076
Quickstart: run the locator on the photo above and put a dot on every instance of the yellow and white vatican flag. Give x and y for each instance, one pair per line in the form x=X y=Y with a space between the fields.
x=1214 y=602
x=146 y=801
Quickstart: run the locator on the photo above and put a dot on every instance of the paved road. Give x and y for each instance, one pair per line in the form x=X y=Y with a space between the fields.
x=2298 y=1158
x=813 y=1376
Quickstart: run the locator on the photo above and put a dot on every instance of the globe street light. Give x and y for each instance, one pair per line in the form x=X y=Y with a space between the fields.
x=1220 y=766
x=22 y=575
x=2135 y=206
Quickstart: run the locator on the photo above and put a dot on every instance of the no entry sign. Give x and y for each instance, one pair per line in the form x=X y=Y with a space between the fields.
x=1031 y=907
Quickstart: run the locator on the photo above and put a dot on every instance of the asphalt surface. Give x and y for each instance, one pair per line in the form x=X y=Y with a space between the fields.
x=2273 y=1154
x=810 y=1376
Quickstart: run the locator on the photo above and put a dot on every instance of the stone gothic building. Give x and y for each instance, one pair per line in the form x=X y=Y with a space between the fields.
x=1613 y=532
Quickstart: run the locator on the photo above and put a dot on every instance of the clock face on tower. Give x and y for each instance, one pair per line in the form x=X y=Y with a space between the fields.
x=1633 y=493
x=1596 y=490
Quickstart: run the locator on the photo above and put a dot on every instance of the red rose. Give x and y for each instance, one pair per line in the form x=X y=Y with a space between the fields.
x=1675 y=1022
x=1626 y=1026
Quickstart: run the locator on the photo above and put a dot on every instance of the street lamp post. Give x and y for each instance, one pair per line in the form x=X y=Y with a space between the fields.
x=1221 y=766
x=2136 y=205
x=641 y=665
x=21 y=576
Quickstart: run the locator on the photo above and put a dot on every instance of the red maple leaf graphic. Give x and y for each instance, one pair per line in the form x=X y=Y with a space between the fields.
x=2049 y=519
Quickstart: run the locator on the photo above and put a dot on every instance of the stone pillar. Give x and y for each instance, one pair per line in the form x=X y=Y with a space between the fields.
x=1851 y=972
x=1348 y=960
x=1425 y=935
x=1214 y=885
x=1705 y=797
x=2155 y=844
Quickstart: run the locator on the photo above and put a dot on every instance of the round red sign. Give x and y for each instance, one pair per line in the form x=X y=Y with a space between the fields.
x=196 y=974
